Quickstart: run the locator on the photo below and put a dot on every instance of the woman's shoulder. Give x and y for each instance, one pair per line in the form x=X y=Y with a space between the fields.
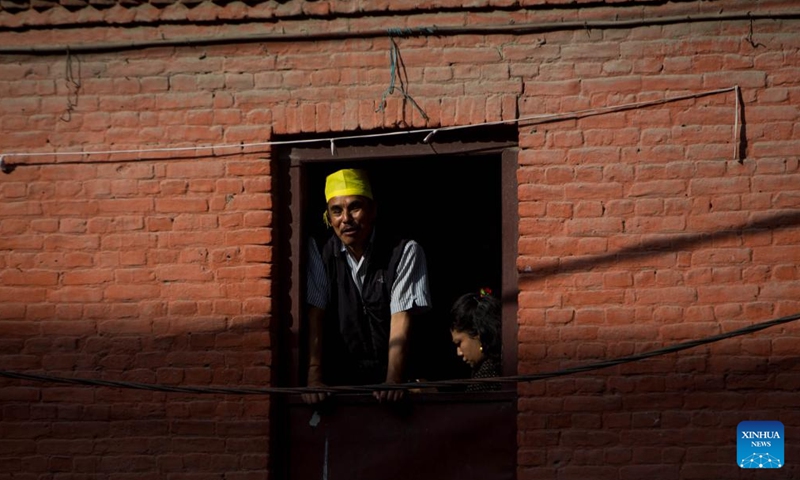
x=489 y=368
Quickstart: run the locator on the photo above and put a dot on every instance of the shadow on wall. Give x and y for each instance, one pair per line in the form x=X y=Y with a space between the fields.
x=658 y=403
x=634 y=329
x=672 y=416
x=100 y=431
x=663 y=244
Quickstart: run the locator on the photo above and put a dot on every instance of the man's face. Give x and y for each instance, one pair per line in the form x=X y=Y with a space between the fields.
x=352 y=218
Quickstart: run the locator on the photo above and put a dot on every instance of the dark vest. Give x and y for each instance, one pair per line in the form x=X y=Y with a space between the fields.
x=356 y=332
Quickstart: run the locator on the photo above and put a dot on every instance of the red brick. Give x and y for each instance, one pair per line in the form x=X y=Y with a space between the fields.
x=28 y=277
x=126 y=206
x=594 y=226
x=195 y=222
x=90 y=277
x=183 y=272
x=131 y=292
x=180 y=205
x=78 y=259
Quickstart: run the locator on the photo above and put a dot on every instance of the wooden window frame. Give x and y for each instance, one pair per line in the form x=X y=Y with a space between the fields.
x=291 y=169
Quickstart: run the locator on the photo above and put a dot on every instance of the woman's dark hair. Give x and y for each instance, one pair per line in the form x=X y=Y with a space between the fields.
x=478 y=315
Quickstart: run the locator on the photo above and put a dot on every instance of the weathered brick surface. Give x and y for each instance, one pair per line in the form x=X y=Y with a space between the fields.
x=683 y=228
x=638 y=229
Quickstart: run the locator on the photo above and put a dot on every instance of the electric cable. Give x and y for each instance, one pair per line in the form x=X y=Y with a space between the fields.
x=8 y=166
x=401 y=386
x=438 y=31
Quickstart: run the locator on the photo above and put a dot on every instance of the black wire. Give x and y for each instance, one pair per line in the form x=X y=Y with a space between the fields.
x=440 y=31
x=73 y=87
x=402 y=386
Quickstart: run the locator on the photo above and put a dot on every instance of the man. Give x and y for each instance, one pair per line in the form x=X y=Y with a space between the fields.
x=362 y=291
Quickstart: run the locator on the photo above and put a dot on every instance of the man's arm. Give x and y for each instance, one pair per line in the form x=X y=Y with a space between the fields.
x=410 y=295
x=410 y=291
x=315 y=317
x=316 y=288
x=398 y=343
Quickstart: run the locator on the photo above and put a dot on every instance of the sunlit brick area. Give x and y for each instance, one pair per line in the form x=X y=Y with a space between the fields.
x=145 y=233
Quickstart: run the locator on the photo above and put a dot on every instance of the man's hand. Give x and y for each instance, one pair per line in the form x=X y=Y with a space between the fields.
x=393 y=395
x=315 y=397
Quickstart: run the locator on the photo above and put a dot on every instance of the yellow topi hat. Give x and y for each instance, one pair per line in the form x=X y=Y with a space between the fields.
x=349 y=181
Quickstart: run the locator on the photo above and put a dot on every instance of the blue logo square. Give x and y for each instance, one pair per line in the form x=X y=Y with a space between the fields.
x=759 y=444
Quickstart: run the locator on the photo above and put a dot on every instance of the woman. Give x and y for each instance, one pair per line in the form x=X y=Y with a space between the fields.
x=476 y=333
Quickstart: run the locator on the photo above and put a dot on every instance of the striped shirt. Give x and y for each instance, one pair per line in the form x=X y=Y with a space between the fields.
x=410 y=288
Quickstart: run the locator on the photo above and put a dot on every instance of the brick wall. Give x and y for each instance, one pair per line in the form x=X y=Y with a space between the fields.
x=153 y=272
x=638 y=229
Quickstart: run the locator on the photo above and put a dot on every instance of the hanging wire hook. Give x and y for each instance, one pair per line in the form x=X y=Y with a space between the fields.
x=397 y=72
x=429 y=136
x=73 y=86
x=392 y=73
x=737 y=133
x=5 y=167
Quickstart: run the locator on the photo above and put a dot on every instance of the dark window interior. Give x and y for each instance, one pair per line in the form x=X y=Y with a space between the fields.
x=449 y=205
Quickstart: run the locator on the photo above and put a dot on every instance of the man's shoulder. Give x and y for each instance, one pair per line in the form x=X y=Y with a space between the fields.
x=411 y=243
x=411 y=246
x=395 y=241
x=327 y=244
x=403 y=247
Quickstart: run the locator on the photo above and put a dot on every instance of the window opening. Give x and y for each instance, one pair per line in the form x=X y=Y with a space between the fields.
x=454 y=197
x=458 y=199
x=450 y=207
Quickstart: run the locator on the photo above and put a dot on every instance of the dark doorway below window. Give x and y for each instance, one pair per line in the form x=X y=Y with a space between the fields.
x=427 y=437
